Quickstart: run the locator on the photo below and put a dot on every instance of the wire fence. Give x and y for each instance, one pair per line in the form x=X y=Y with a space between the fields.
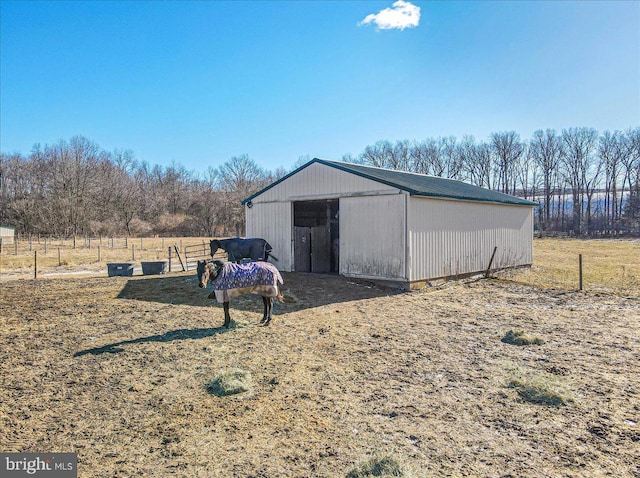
x=91 y=253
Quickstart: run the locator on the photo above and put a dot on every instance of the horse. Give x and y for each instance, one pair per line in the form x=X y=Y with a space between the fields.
x=237 y=249
x=231 y=280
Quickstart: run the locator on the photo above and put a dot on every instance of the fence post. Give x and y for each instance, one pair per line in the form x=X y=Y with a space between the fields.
x=99 y=253
x=59 y=258
x=486 y=274
x=133 y=252
x=169 y=259
x=580 y=269
x=179 y=257
x=35 y=264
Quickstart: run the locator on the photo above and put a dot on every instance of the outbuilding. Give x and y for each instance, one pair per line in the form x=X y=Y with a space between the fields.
x=380 y=224
x=7 y=234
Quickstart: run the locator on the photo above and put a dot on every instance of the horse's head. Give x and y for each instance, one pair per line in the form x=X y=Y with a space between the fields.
x=203 y=274
x=208 y=271
x=214 y=245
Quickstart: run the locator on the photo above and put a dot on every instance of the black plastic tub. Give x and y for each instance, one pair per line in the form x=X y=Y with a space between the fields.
x=156 y=267
x=120 y=269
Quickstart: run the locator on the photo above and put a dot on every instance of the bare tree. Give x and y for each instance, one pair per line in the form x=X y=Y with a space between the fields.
x=476 y=159
x=19 y=199
x=435 y=162
x=418 y=157
x=124 y=190
x=578 y=148
x=207 y=207
x=546 y=150
x=507 y=149
x=238 y=179
x=631 y=175
x=377 y=155
x=527 y=174
x=75 y=168
x=612 y=149
x=301 y=161
x=399 y=156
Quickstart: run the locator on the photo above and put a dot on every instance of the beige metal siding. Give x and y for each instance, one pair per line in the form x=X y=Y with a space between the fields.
x=272 y=222
x=6 y=234
x=372 y=236
x=318 y=180
x=447 y=238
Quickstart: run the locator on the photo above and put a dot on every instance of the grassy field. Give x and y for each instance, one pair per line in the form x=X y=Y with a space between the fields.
x=611 y=266
x=518 y=376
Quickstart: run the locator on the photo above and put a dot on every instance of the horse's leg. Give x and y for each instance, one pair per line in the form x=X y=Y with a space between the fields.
x=264 y=315
x=227 y=317
x=268 y=304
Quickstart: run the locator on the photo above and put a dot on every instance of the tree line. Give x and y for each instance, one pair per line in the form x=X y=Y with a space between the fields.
x=76 y=188
x=585 y=183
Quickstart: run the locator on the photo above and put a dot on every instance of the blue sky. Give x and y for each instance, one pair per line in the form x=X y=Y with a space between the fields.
x=196 y=83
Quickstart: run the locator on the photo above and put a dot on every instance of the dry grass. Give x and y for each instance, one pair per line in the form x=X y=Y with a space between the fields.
x=61 y=257
x=519 y=337
x=540 y=387
x=231 y=382
x=611 y=266
x=118 y=370
x=383 y=465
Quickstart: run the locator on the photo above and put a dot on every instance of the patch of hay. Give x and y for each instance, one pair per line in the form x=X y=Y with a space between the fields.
x=231 y=382
x=519 y=337
x=542 y=389
x=380 y=465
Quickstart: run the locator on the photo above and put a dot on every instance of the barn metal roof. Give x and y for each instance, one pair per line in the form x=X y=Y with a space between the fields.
x=415 y=184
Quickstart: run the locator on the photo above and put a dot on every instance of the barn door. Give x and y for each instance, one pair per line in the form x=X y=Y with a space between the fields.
x=320 y=250
x=302 y=249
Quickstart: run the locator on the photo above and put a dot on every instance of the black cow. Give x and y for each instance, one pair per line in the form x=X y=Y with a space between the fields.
x=237 y=249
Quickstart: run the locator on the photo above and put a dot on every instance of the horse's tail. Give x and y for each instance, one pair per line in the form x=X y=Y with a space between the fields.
x=267 y=252
x=279 y=295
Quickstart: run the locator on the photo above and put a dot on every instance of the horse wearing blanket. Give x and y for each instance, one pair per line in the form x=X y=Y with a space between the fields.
x=237 y=249
x=231 y=280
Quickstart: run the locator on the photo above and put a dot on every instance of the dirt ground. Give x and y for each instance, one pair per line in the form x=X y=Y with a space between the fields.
x=116 y=369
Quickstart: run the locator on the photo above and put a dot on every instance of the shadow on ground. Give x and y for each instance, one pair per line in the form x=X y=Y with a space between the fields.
x=301 y=291
x=182 y=334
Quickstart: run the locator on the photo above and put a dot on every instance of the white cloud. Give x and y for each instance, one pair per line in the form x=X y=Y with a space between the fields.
x=402 y=15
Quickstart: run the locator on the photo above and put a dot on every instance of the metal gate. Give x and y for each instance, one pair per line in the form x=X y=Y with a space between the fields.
x=197 y=252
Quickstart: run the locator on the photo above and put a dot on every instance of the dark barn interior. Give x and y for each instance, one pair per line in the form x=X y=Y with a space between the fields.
x=317 y=241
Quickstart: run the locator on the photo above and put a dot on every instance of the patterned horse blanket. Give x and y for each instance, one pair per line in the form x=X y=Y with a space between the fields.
x=261 y=278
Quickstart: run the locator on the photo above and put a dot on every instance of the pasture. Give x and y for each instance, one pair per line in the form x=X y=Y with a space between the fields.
x=120 y=370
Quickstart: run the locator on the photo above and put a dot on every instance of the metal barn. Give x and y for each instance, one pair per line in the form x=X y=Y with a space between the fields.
x=374 y=223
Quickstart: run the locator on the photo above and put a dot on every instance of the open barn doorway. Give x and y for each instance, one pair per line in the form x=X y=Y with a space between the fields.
x=316 y=236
